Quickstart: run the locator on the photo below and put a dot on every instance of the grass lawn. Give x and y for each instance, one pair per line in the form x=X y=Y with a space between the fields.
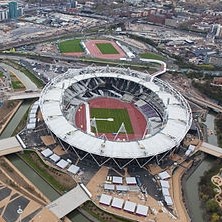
x=1 y=74
x=72 y=45
x=106 y=48
x=150 y=55
x=16 y=83
x=119 y=116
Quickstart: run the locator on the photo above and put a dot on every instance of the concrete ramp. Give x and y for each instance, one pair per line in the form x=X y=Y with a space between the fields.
x=69 y=201
x=9 y=145
x=211 y=149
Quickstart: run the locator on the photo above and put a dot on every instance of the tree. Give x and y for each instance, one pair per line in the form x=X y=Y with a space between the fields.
x=215 y=217
x=212 y=206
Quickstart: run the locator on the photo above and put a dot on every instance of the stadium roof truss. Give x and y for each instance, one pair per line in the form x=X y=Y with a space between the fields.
x=177 y=117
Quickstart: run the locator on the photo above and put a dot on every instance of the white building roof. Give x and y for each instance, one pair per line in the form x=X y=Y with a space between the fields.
x=55 y=158
x=73 y=169
x=191 y=148
x=109 y=186
x=62 y=164
x=122 y=188
x=118 y=180
x=105 y=199
x=47 y=152
x=130 y=180
x=164 y=183
x=165 y=191
x=117 y=203
x=164 y=175
x=129 y=206
x=142 y=210
x=179 y=116
x=168 y=200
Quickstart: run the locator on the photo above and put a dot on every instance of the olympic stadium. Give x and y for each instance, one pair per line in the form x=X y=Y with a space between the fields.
x=115 y=116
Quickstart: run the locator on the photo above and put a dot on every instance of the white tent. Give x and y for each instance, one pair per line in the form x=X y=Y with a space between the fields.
x=73 y=169
x=142 y=210
x=164 y=175
x=47 y=152
x=121 y=188
x=129 y=206
x=62 y=164
x=55 y=158
x=117 y=203
x=130 y=180
x=165 y=191
x=168 y=200
x=118 y=180
x=164 y=183
x=105 y=199
x=109 y=186
x=30 y=126
x=191 y=148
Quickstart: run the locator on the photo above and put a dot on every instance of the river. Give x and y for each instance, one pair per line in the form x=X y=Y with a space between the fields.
x=196 y=211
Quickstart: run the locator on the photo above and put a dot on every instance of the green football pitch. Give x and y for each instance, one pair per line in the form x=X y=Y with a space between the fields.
x=118 y=116
x=72 y=45
x=106 y=48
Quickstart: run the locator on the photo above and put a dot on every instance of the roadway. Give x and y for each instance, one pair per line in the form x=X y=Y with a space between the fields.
x=22 y=78
x=211 y=149
x=69 y=201
x=9 y=145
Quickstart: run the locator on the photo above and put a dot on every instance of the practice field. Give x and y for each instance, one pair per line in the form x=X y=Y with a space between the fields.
x=150 y=55
x=117 y=117
x=106 y=48
x=72 y=45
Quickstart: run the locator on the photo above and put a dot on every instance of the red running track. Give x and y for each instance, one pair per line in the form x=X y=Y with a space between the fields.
x=95 y=52
x=138 y=120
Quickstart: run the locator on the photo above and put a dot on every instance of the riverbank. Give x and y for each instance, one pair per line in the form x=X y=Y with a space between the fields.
x=9 y=117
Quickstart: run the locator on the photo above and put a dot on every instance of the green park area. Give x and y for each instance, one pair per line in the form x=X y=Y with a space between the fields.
x=110 y=120
x=71 y=45
x=106 y=48
x=150 y=55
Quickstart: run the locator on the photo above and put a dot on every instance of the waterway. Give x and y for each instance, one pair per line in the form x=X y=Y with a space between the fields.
x=10 y=128
x=27 y=171
x=196 y=211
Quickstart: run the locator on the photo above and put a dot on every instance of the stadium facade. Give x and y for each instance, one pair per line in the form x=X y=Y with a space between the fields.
x=167 y=113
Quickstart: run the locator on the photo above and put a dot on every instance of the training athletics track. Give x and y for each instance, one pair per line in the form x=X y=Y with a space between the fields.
x=95 y=52
x=137 y=119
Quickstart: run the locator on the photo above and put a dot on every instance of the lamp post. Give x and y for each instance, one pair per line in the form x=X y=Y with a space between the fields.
x=20 y=211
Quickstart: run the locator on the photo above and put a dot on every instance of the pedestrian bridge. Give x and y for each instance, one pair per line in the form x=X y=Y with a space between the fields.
x=211 y=149
x=23 y=95
x=69 y=201
x=9 y=145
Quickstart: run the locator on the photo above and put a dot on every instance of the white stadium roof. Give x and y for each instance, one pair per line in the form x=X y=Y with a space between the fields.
x=179 y=116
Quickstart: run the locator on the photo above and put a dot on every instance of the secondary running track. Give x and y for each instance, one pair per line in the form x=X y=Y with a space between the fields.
x=95 y=52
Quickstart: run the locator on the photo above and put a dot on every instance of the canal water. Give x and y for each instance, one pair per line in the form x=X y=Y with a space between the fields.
x=27 y=171
x=196 y=211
